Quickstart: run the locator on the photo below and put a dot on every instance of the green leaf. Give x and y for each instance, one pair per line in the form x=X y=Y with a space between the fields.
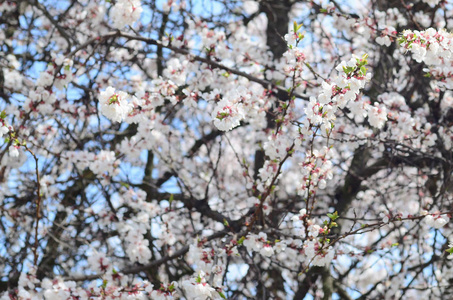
x=395 y=244
x=222 y=115
x=225 y=222
x=333 y=216
x=221 y=295
x=241 y=240
x=113 y=99
x=171 y=288
x=363 y=70
x=348 y=70
x=450 y=250
x=3 y=115
x=125 y=184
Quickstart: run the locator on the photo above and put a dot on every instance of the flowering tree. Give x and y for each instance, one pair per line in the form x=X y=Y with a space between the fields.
x=270 y=149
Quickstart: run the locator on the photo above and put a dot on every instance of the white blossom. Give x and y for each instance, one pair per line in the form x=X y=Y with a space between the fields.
x=114 y=105
x=125 y=12
x=227 y=115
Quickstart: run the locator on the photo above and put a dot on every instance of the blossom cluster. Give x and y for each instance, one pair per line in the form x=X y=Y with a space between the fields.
x=234 y=105
x=259 y=243
x=198 y=288
x=61 y=289
x=312 y=243
x=434 y=48
x=315 y=245
x=316 y=170
x=42 y=98
x=436 y=221
x=103 y=163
